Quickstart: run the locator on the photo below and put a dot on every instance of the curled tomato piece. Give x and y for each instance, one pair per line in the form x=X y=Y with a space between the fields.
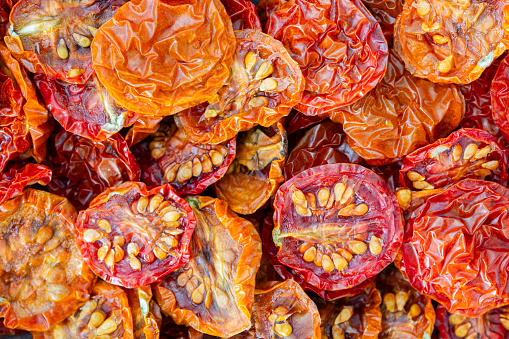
x=451 y=41
x=297 y=121
x=386 y=13
x=167 y=156
x=491 y=325
x=242 y=14
x=256 y=172
x=467 y=223
x=83 y=168
x=146 y=313
x=264 y=84
x=43 y=278
x=17 y=177
x=105 y=315
x=405 y=313
x=356 y=317
x=131 y=237
x=338 y=45
x=400 y=115
x=162 y=69
x=53 y=37
x=499 y=93
x=142 y=128
x=337 y=225
x=214 y=291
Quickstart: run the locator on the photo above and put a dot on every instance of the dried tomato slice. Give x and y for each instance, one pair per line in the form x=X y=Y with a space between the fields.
x=256 y=172
x=243 y=14
x=499 y=98
x=214 y=291
x=43 y=279
x=451 y=41
x=265 y=83
x=146 y=313
x=320 y=36
x=54 y=37
x=400 y=115
x=14 y=179
x=337 y=225
x=455 y=244
x=491 y=325
x=83 y=168
x=164 y=69
x=105 y=315
x=131 y=236
x=385 y=12
x=167 y=156
x=405 y=313
x=356 y=317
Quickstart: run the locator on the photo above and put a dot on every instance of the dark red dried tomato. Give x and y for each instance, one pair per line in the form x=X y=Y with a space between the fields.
x=256 y=172
x=264 y=84
x=83 y=168
x=499 y=92
x=338 y=45
x=15 y=178
x=336 y=225
x=146 y=313
x=131 y=236
x=54 y=37
x=385 y=12
x=167 y=156
x=297 y=121
x=455 y=247
x=243 y=14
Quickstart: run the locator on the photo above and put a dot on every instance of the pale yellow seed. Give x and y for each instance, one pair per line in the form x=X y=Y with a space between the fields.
x=504 y=322
x=97 y=318
x=135 y=263
x=423 y=8
x=62 y=51
x=360 y=210
x=216 y=157
x=171 y=216
x=347 y=195
x=110 y=258
x=156 y=153
x=299 y=198
x=142 y=204
x=302 y=211
x=197 y=168
x=456 y=152
x=401 y=299
x=119 y=253
x=323 y=196
x=462 y=330
x=258 y=101
x=491 y=165
x=264 y=71
x=390 y=302
x=210 y=113
x=482 y=153
x=357 y=247
x=339 y=262
x=404 y=197
x=75 y=72
x=91 y=235
x=470 y=150
x=345 y=254
x=327 y=264
x=414 y=176
x=107 y=327
x=440 y=39
x=104 y=225
x=185 y=172
x=482 y=172
x=82 y=40
x=415 y=311
x=92 y=30
x=456 y=319
x=343 y=316
x=119 y=240
x=283 y=329
x=339 y=190
x=445 y=65
x=159 y=253
x=133 y=249
x=250 y=60
x=337 y=333
x=206 y=163
x=310 y=254
x=375 y=245
x=423 y=185
x=198 y=293
x=303 y=247
x=102 y=252
x=268 y=85
x=155 y=202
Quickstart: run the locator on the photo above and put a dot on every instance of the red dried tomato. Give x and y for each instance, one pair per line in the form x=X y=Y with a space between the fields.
x=14 y=179
x=178 y=61
x=455 y=244
x=214 y=291
x=142 y=128
x=338 y=45
x=105 y=315
x=357 y=317
x=385 y=12
x=83 y=168
x=131 y=236
x=54 y=37
x=167 y=156
x=43 y=279
x=451 y=41
x=242 y=14
x=146 y=313
x=499 y=98
x=264 y=84
x=256 y=172
x=297 y=121
x=327 y=217
x=400 y=115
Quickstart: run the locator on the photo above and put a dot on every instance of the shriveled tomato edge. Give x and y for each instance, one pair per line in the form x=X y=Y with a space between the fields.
x=424 y=153
x=249 y=15
x=148 y=277
x=499 y=103
x=19 y=178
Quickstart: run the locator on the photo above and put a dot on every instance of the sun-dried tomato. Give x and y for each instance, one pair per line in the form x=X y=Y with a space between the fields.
x=336 y=225
x=146 y=313
x=400 y=115
x=83 y=168
x=131 y=236
x=385 y=12
x=406 y=314
x=170 y=330
x=242 y=14
x=455 y=246
x=491 y=325
x=142 y=128
x=180 y=59
x=54 y=37
x=451 y=41
x=167 y=156
x=214 y=291
x=499 y=93
x=338 y=45
x=256 y=172
x=105 y=315
x=356 y=317
x=43 y=278
x=15 y=178
x=297 y=121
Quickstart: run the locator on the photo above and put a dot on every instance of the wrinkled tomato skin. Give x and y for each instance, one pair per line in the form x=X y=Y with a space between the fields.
x=467 y=221
x=296 y=121
x=499 y=93
x=243 y=14
x=15 y=178
x=142 y=128
x=385 y=12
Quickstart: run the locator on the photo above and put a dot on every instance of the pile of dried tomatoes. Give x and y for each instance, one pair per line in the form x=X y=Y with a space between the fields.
x=295 y=169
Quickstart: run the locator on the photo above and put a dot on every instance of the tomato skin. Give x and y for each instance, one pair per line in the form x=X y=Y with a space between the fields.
x=499 y=103
x=16 y=177
x=243 y=14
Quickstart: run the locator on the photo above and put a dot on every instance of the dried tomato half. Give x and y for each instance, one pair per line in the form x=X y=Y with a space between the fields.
x=242 y=14
x=83 y=168
x=214 y=291
x=451 y=41
x=168 y=156
x=405 y=313
x=43 y=278
x=337 y=225
x=499 y=92
x=491 y=325
x=356 y=317
x=400 y=115
x=14 y=179
x=455 y=247
x=146 y=313
x=53 y=37
x=256 y=172
x=178 y=61
x=338 y=45
x=131 y=236
x=105 y=315
x=264 y=84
